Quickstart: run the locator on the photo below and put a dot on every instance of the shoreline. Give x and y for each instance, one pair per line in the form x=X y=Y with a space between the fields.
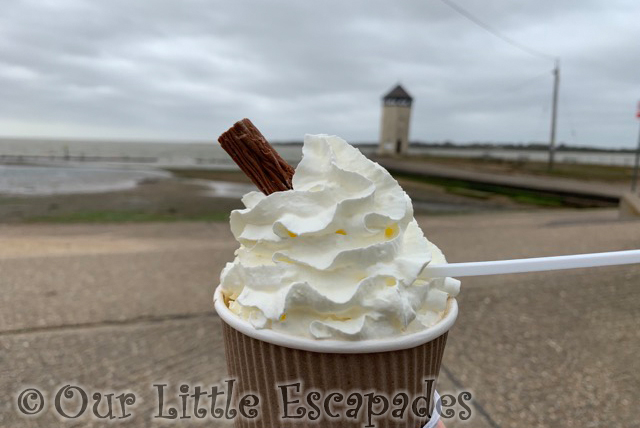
x=195 y=194
x=205 y=195
x=34 y=180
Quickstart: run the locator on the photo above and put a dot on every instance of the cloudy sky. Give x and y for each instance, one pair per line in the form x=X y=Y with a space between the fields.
x=186 y=70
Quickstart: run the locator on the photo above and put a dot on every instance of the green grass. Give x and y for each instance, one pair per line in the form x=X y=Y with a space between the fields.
x=483 y=191
x=470 y=193
x=124 y=217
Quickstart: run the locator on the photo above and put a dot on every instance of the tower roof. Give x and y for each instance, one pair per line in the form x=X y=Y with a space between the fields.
x=398 y=93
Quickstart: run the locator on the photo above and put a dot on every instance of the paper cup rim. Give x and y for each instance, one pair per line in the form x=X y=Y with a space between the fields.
x=407 y=341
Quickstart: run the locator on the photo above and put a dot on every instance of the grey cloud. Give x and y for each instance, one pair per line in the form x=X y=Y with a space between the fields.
x=186 y=70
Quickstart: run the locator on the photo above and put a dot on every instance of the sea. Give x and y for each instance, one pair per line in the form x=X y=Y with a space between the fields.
x=49 y=180
x=46 y=166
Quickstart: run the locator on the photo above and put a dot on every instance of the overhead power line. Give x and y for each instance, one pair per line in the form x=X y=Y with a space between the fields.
x=490 y=29
x=556 y=70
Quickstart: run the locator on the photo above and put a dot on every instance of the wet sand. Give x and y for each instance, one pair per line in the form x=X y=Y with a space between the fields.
x=165 y=198
x=188 y=196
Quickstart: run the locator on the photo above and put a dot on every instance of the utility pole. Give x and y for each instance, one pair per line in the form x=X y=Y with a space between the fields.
x=554 y=114
x=634 y=182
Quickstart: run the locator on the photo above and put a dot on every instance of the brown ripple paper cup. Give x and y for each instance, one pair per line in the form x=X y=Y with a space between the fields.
x=263 y=361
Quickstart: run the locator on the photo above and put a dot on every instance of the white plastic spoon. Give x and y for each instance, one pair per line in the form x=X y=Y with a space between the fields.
x=534 y=265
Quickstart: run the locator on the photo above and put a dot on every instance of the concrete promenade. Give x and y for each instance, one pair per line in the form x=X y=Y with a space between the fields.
x=555 y=185
x=123 y=307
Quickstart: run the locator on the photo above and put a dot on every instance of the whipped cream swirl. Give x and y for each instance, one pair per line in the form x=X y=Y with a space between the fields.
x=338 y=257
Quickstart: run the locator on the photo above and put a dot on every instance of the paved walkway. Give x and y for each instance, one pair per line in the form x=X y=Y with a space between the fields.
x=562 y=186
x=123 y=307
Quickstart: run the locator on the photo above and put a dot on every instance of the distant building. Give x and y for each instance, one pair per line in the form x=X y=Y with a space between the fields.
x=394 y=126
